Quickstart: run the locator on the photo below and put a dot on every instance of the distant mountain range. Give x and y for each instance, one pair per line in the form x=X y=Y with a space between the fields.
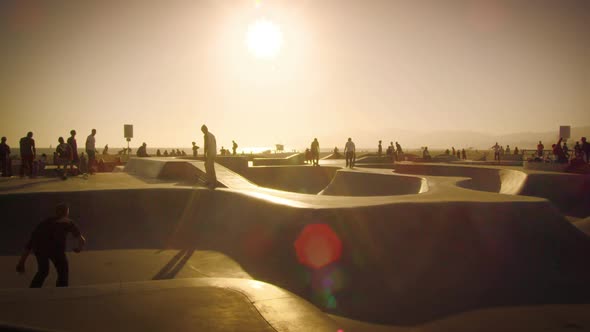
x=464 y=139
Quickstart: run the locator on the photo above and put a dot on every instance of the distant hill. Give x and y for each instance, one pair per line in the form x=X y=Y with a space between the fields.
x=463 y=139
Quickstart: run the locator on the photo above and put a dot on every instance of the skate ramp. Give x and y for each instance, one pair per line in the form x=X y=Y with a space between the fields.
x=299 y=179
x=357 y=183
x=569 y=192
x=396 y=257
x=185 y=171
x=503 y=181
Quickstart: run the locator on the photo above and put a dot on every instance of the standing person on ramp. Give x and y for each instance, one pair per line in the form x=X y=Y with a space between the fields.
x=349 y=151
x=315 y=152
x=91 y=151
x=210 y=152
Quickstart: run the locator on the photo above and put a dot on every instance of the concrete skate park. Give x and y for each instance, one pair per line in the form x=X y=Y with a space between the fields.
x=408 y=247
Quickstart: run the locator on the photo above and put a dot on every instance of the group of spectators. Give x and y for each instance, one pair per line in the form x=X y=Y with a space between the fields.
x=396 y=153
x=66 y=154
x=459 y=153
x=499 y=151
x=561 y=153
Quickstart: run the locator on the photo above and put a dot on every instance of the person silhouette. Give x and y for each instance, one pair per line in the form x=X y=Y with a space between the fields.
x=142 y=151
x=234 y=147
x=91 y=151
x=27 y=154
x=349 y=151
x=315 y=152
x=48 y=243
x=585 y=149
x=5 y=158
x=496 y=147
x=540 y=148
x=74 y=148
x=210 y=152
x=379 y=149
x=307 y=156
x=195 y=150
x=399 y=153
x=64 y=154
x=426 y=154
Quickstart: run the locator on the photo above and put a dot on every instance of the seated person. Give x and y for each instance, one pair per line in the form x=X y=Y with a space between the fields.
x=142 y=151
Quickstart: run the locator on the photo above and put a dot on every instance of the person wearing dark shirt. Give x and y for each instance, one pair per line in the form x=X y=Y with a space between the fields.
x=48 y=243
x=315 y=152
x=558 y=152
x=74 y=148
x=379 y=149
x=234 y=147
x=195 y=150
x=586 y=149
x=399 y=153
x=27 y=154
x=63 y=153
x=4 y=158
x=142 y=151
x=540 y=148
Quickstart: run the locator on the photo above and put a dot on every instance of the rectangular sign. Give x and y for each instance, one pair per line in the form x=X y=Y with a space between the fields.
x=128 y=130
x=565 y=132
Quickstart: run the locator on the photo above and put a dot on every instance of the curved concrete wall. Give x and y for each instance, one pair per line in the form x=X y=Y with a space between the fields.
x=299 y=179
x=350 y=183
x=569 y=192
x=401 y=262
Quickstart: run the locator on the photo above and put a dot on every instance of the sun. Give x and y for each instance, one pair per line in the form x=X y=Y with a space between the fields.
x=264 y=39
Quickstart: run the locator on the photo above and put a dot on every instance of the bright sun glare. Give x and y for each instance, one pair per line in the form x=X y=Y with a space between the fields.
x=264 y=39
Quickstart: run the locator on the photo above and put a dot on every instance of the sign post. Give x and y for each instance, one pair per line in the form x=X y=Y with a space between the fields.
x=128 y=133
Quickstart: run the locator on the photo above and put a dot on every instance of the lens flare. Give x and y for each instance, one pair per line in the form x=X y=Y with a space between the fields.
x=317 y=246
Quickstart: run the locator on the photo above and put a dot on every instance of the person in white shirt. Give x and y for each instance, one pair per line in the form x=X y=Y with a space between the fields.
x=349 y=151
x=210 y=152
x=91 y=151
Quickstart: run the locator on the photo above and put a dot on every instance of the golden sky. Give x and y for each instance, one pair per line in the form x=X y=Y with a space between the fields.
x=365 y=69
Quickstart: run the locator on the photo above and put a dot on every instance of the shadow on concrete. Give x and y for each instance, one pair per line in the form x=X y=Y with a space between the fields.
x=171 y=269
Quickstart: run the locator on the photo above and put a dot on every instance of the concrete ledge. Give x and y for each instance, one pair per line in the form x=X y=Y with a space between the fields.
x=358 y=183
x=546 y=167
x=295 y=159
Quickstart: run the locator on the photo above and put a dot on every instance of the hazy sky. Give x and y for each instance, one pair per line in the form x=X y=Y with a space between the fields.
x=345 y=66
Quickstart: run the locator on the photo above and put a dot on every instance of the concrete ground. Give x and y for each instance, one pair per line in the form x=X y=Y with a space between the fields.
x=450 y=249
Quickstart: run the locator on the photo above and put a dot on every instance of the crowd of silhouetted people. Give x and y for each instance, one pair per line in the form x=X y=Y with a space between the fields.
x=65 y=156
x=68 y=160
x=561 y=153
